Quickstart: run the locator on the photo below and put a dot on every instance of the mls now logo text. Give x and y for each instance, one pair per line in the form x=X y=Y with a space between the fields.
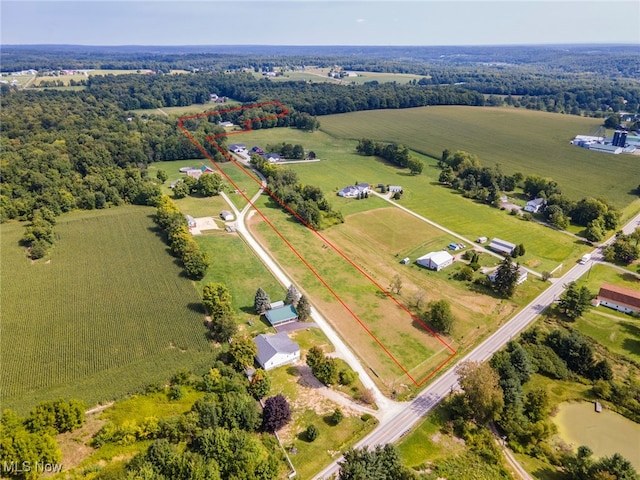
x=16 y=468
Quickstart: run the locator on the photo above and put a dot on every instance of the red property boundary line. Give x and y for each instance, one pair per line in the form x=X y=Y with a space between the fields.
x=248 y=127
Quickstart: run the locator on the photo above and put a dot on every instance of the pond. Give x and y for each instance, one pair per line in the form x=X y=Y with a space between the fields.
x=605 y=433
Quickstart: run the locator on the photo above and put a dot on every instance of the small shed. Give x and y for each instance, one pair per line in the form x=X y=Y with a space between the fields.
x=226 y=215
x=405 y=260
x=598 y=407
x=191 y=222
x=395 y=188
x=481 y=240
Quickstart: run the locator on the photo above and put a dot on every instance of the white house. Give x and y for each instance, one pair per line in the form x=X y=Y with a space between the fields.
x=435 y=260
x=534 y=206
x=276 y=350
x=226 y=215
x=353 y=191
x=395 y=188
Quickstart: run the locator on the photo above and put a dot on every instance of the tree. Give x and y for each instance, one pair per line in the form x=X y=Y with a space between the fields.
x=303 y=309
x=162 y=176
x=293 y=296
x=575 y=300
x=262 y=302
x=276 y=413
x=482 y=390
x=415 y=166
x=612 y=121
x=337 y=416
x=311 y=433
x=380 y=463
x=217 y=300
x=260 y=384
x=465 y=273
x=324 y=368
x=439 y=316
x=595 y=230
x=209 y=184
x=506 y=278
x=243 y=350
x=223 y=328
x=196 y=263
x=396 y=284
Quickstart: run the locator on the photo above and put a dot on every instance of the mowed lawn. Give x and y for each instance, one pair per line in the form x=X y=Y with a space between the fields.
x=521 y=140
x=107 y=313
x=366 y=318
x=341 y=166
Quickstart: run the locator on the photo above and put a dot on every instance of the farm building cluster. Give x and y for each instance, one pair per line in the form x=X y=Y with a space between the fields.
x=241 y=149
x=355 y=191
x=621 y=142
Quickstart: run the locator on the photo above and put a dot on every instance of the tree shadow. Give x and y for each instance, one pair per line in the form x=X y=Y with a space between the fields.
x=293 y=371
x=629 y=277
x=302 y=436
x=196 y=307
x=632 y=345
x=328 y=420
x=548 y=473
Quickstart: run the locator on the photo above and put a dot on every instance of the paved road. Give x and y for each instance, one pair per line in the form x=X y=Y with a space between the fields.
x=397 y=427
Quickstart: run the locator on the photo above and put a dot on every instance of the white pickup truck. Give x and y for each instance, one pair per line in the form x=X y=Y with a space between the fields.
x=585 y=258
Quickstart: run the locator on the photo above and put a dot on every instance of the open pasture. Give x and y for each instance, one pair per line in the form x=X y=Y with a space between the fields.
x=519 y=140
x=340 y=166
x=371 y=239
x=108 y=312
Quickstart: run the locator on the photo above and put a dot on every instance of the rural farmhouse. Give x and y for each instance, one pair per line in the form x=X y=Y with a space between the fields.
x=352 y=191
x=523 y=274
x=619 y=298
x=276 y=350
x=435 y=260
x=534 y=206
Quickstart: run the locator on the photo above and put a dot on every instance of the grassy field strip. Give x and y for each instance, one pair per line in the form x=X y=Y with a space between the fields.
x=108 y=300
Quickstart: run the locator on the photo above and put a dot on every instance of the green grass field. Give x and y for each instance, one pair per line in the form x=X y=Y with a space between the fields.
x=321 y=75
x=186 y=110
x=519 y=140
x=341 y=166
x=106 y=313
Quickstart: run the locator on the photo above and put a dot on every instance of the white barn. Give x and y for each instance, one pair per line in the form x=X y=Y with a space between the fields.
x=276 y=350
x=435 y=260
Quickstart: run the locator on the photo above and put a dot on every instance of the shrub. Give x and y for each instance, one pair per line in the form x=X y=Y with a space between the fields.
x=366 y=417
x=175 y=392
x=465 y=274
x=337 y=416
x=347 y=377
x=312 y=433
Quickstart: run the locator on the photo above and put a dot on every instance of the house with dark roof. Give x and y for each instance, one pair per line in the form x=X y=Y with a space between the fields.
x=238 y=148
x=621 y=299
x=273 y=157
x=501 y=246
x=281 y=315
x=276 y=350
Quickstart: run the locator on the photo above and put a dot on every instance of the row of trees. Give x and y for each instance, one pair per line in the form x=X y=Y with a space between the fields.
x=174 y=224
x=391 y=152
x=287 y=150
x=307 y=202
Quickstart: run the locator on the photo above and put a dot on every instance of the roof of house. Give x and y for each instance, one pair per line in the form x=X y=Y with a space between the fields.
x=281 y=314
x=226 y=213
x=536 y=202
x=237 y=145
x=620 y=295
x=438 y=258
x=271 y=345
x=278 y=304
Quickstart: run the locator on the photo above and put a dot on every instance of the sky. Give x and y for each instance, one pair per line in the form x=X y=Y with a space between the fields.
x=319 y=22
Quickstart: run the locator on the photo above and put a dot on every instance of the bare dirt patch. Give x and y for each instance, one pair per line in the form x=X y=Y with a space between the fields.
x=75 y=445
x=203 y=224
